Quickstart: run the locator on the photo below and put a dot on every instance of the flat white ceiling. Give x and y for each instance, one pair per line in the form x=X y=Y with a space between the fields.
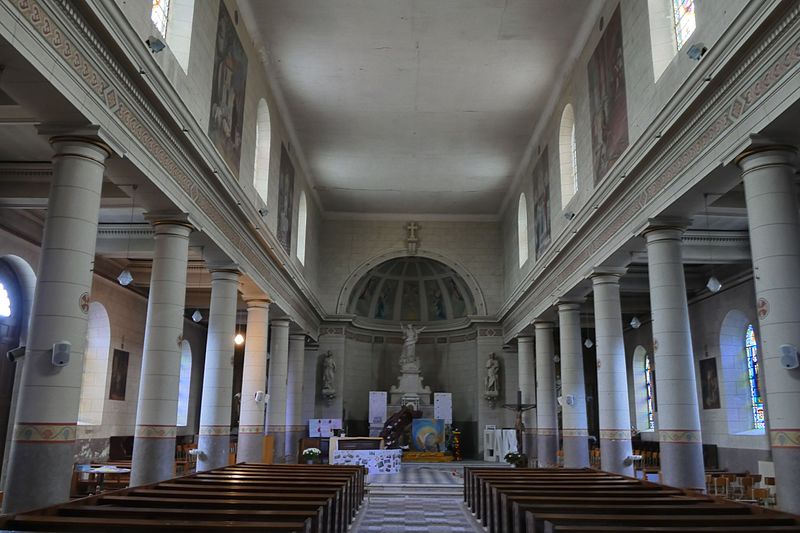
x=415 y=106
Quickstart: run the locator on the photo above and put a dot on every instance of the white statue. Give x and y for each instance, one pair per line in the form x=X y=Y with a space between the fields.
x=410 y=337
x=328 y=373
x=492 y=375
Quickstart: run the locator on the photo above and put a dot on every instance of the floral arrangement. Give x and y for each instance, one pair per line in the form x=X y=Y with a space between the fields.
x=312 y=453
x=516 y=459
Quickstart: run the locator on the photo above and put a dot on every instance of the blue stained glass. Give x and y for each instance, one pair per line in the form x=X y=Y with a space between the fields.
x=754 y=375
x=683 y=21
x=648 y=381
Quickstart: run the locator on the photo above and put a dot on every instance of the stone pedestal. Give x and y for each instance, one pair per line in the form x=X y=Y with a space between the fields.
x=157 y=405
x=771 y=192
x=679 y=434
x=410 y=388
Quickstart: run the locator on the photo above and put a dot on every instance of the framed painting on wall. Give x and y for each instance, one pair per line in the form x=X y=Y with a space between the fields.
x=119 y=375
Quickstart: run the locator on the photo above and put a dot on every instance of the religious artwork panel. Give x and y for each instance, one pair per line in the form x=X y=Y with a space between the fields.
x=427 y=434
x=435 y=300
x=608 y=103
x=119 y=375
x=365 y=295
x=709 y=383
x=227 y=92
x=541 y=203
x=384 y=307
x=285 y=200
x=410 y=306
x=456 y=298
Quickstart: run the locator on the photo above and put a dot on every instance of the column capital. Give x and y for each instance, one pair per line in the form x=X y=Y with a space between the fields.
x=279 y=323
x=256 y=302
x=607 y=274
x=766 y=154
x=665 y=227
x=569 y=304
x=543 y=324
x=78 y=140
x=227 y=274
x=297 y=337
x=168 y=222
x=525 y=339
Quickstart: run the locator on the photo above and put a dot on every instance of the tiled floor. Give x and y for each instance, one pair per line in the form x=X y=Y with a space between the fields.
x=415 y=514
x=418 y=509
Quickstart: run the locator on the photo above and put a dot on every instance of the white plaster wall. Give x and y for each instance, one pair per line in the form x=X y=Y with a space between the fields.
x=347 y=244
x=645 y=99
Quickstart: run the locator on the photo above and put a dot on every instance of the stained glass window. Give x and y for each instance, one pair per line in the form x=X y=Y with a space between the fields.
x=159 y=15
x=5 y=302
x=185 y=382
x=754 y=375
x=683 y=21
x=648 y=381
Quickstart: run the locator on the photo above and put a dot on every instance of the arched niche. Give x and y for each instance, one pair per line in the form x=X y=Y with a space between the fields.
x=736 y=401
x=95 y=366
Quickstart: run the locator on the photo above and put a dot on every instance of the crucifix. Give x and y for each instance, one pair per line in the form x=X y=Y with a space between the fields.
x=411 y=238
x=519 y=425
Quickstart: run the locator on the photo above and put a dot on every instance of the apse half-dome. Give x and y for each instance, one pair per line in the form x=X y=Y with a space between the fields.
x=412 y=289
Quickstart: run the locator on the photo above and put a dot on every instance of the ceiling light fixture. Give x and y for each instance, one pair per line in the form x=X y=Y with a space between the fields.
x=125 y=277
x=197 y=316
x=635 y=323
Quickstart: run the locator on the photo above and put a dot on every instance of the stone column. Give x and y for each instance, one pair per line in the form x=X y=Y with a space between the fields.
x=278 y=376
x=575 y=432
x=546 y=416
x=215 y=407
x=42 y=452
x=770 y=192
x=612 y=379
x=254 y=379
x=157 y=404
x=681 y=447
x=294 y=396
x=527 y=384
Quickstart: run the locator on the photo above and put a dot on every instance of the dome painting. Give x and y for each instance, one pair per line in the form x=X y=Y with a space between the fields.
x=412 y=289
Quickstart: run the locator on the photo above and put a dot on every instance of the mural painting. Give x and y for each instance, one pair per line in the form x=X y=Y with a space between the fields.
x=709 y=383
x=435 y=300
x=541 y=203
x=607 y=99
x=227 y=92
x=285 y=200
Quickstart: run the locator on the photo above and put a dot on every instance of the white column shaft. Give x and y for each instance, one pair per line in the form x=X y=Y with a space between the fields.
x=527 y=384
x=573 y=387
x=294 y=395
x=278 y=377
x=546 y=415
x=254 y=379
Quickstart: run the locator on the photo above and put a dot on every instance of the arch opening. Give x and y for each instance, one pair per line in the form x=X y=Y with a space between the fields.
x=95 y=366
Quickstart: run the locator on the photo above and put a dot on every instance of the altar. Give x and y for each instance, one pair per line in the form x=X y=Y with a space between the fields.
x=368 y=452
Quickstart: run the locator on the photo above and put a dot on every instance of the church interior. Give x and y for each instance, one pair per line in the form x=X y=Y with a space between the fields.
x=399 y=265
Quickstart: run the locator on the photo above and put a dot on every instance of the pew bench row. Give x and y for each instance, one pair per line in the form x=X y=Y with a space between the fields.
x=587 y=500
x=242 y=497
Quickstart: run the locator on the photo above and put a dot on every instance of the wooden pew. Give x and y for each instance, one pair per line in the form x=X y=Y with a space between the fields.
x=270 y=498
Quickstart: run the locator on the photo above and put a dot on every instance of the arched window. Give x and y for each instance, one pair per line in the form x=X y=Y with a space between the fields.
x=672 y=22
x=5 y=302
x=754 y=377
x=263 y=139
x=644 y=389
x=522 y=229
x=302 y=223
x=173 y=19
x=95 y=366
x=568 y=156
x=185 y=383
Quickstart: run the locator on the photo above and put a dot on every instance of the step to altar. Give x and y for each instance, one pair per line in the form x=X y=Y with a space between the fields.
x=427 y=457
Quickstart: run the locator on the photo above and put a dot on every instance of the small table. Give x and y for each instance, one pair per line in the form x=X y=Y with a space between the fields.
x=101 y=471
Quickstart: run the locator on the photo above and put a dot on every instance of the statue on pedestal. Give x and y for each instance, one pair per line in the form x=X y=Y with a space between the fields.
x=410 y=337
x=492 y=382
x=328 y=376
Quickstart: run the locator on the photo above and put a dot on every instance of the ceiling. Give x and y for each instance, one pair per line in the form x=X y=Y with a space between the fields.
x=415 y=106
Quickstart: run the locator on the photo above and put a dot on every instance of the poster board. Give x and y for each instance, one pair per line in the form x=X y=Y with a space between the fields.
x=443 y=406
x=323 y=427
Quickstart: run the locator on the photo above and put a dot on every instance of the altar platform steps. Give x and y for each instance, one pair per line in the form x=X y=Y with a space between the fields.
x=427 y=457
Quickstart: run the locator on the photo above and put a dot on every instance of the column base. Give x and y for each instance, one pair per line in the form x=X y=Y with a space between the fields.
x=787 y=472
x=576 y=452
x=250 y=448
x=547 y=450
x=682 y=465
x=38 y=461
x=279 y=456
x=153 y=460
x=613 y=455
x=214 y=451
x=292 y=443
